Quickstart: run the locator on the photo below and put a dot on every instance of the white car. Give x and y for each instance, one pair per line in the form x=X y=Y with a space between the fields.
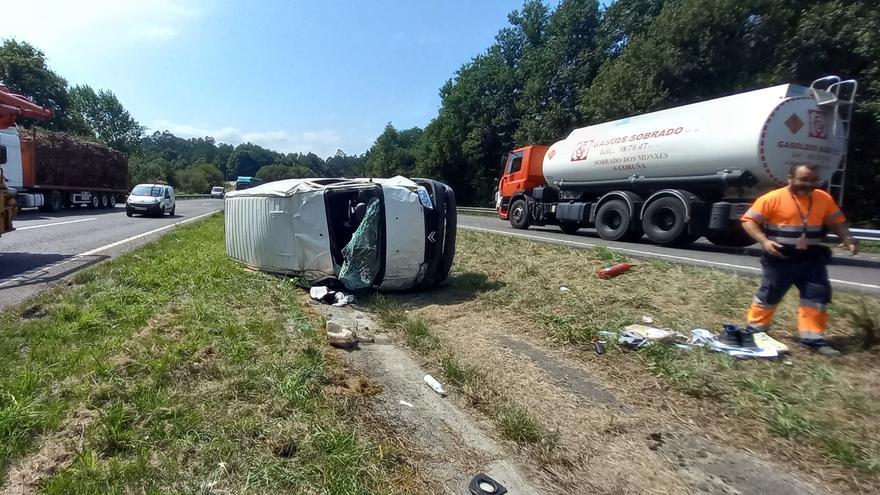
x=151 y=199
x=387 y=234
x=217 y=192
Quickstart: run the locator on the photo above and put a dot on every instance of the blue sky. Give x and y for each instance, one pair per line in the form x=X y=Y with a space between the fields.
x=299 y=75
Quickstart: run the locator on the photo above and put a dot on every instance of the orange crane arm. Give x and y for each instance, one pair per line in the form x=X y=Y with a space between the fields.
x=13 y=106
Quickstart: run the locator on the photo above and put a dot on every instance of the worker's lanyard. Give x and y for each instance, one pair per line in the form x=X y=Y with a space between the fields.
x=805 y=219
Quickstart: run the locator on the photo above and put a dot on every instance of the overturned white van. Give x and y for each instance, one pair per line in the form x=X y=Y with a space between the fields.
x=387 y=234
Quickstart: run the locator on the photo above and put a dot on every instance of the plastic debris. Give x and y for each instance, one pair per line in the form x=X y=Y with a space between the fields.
x=655 y=334
x=613 y=271
x=565 y=289
x=434 y=384
x=339 y=335
x=405 y=403
x=647 y=320
x=703 y=337
x=343 y=299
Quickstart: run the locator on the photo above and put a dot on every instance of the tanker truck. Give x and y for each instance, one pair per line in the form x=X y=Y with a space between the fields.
x=678 y=174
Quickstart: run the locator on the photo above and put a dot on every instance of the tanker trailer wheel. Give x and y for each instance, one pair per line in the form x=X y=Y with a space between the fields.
x=614 y=222
x=104 y=201
x=732 y=237
x=664 y=222
x=519 y=214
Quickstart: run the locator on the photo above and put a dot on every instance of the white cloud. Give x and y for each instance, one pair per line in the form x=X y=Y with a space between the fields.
x=322 y=142
x=64 y=26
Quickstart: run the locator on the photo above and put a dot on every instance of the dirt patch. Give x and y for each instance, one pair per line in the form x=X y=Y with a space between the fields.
x=451 y=445
x=56 y=452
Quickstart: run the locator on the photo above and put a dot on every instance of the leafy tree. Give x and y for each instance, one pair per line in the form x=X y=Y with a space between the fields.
x=106 y=116
x=143 y=169
x=393 y=153
x=24 y=70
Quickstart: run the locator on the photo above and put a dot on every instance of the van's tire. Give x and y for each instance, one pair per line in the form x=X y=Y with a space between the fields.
x=614 y=222
x=570 y=227
x=664 y=222
x=519 y=214
x=171 y=213
x=55 y=201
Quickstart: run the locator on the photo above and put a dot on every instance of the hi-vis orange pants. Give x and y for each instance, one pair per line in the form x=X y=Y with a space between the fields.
x=810 y=275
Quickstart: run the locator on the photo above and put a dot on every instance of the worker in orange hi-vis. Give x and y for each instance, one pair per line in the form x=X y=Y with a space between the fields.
x=790 y=223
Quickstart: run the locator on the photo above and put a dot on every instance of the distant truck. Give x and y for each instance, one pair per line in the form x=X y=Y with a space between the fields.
x=682 y=173
x=52 y=170
x=246 y=182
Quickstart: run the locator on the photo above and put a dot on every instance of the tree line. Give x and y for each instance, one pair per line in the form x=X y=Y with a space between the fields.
x=549 y=71
x=552 y=70
x=191 y=165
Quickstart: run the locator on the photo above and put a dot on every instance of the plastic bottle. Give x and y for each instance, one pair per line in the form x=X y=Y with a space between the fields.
x=613 y=271
x=434 y=384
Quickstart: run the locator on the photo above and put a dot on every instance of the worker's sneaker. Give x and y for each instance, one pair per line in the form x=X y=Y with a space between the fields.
x=730 y=336
x=819 y=346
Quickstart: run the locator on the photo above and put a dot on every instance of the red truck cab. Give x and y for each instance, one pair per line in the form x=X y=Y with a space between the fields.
x=523 y=170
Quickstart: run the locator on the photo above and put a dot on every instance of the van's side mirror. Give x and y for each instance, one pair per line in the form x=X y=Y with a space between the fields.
x=2 y=155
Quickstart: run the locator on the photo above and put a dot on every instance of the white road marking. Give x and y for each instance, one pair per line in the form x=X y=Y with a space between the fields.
x=129 y=239
x=55 y=223
x=77 y=257
x=647 y=253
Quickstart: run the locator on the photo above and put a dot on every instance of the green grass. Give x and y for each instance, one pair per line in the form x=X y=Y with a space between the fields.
x=194 y=376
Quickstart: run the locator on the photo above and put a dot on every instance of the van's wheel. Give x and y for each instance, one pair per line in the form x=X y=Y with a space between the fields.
x=519 y=214
x=171 y=213
x=664 y=222
x=614 y=222
x=570 y=227
x=56 y=202
x=95 y=202
x=105 y=202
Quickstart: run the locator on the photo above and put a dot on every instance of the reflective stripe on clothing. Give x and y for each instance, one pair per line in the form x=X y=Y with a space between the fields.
x=793 y=240
x=810 y=336
x=806 y=303
x=781 y=209
x=834 y=218
x=754 y=215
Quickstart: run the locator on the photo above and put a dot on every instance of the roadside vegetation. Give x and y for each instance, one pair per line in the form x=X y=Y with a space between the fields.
x=815 y=411
x=173 y=370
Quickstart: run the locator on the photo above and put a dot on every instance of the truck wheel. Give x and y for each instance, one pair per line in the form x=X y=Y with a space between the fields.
x=112 y=200
x=56 y=202
x=519 y=214
x=664 y=222
x=95 y=202
x=105 y=202
x=570 y=227
x=614 y=222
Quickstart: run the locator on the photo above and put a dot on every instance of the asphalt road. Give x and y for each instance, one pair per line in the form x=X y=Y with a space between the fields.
x=46 y=247
x=860 y=273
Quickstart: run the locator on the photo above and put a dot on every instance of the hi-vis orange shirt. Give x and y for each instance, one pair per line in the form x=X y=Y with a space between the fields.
x=786 y=216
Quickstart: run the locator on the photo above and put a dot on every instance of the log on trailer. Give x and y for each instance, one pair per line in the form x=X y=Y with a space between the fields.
x=58 y=160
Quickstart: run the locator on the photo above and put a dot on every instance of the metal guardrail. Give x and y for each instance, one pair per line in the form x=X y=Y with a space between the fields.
x=193 y=196
x=860 y=234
